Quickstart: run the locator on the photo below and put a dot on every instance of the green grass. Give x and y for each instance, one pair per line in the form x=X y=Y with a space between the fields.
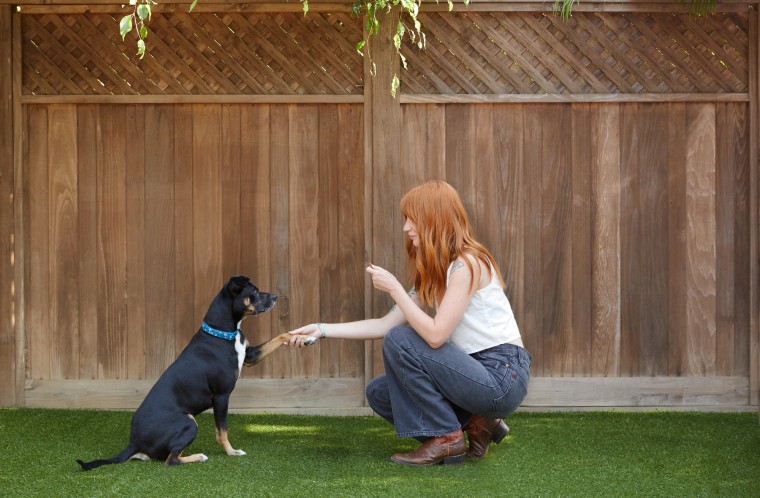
x=548 y=454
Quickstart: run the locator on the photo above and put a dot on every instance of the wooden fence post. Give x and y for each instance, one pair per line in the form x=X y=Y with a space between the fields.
x=383 y=152
x=7 y=328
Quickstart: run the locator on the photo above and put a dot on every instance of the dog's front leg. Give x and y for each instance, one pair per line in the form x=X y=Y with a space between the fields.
x=220 y=405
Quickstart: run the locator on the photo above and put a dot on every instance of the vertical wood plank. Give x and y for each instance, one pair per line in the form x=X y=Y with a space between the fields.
x=329 y=232
x=184 y=255
x=87 y=124
x=508 y=126
x=135 y=219
x=207 y=206
x=161 y=273
x=386 y=246
x=38 y=316
x=630 y=235
x=583 y=149
x=279 y=181
x=256 y=208
x=64 y=251
x=485 y=189
x=533 y=322
x=605 y=247
x=653 y=251
x=230 y=170
x=726 y=171
x=678 y=227
x=700 y=203
x=304 y=231
x=351 y=251
x=112 y=259
x=8 y=330
x=555 y=240
x=739 y=153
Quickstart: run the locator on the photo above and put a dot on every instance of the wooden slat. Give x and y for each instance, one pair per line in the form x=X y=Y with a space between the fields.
x=230 y=171
x=678 y=226
x=279 y=174
x=581 y=239
x=207 y=207
x=38 y=321
x=700 y=204
x=161 y=267
x=328 y=301
x=112 y=156
x=64 y=248
x=351 y=229
x=136 y=241
x=256 y=247
x=652 y=252
x=605 y=247
x=184 y=249
x=304 y=229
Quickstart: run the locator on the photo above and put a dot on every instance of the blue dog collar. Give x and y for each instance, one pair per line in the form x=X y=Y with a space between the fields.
x=227 y=336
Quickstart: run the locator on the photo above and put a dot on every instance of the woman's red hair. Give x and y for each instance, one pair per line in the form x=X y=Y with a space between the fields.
x=444 y=234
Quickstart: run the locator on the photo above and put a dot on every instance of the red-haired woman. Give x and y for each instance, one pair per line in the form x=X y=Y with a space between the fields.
x=462 y=368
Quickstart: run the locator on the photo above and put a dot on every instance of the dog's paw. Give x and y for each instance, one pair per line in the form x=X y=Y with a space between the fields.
x=237 y=453
x=202 y=457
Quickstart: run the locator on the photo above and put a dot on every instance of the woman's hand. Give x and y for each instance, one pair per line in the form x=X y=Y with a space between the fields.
x=384 y=280
x=300 y=334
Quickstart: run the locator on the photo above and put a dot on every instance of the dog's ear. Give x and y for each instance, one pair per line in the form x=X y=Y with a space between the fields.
x=237 y=284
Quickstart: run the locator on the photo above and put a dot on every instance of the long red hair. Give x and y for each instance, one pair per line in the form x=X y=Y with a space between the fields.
x=444 y=234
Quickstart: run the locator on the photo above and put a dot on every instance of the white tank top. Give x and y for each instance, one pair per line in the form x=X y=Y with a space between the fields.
x=487 y=321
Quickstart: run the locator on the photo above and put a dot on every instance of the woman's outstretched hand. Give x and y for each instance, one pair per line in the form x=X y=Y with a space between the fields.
x=301 y=334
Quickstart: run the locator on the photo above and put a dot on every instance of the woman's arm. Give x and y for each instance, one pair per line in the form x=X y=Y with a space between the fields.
x=372 y=328
x=434 y=330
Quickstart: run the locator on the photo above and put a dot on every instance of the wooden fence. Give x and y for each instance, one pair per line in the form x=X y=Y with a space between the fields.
x=609 y=161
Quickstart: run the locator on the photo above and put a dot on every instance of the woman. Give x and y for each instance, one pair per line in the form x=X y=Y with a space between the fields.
x=463 y=367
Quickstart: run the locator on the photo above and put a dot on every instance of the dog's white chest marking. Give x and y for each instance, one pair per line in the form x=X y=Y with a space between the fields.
x=240 y=350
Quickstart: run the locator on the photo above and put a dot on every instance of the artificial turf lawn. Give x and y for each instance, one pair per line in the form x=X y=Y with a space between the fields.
x=547 y=454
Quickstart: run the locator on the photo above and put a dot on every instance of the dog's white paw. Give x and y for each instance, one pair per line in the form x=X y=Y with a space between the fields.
x=237 y=453
x=202 y=457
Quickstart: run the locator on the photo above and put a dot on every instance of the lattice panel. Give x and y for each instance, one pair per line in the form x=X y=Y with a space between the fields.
x=591 y=53
x=193 y=54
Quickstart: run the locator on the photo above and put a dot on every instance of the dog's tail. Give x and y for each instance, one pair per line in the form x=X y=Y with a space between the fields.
x=122 y=457
x=254 y=354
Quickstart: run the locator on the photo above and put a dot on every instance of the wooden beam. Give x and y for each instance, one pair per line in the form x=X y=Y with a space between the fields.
x=345 y=396
x=7 y=325
x=573 y=98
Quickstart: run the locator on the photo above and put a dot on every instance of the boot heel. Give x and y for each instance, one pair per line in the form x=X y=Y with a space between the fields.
x=501 y=431
x=454 y=460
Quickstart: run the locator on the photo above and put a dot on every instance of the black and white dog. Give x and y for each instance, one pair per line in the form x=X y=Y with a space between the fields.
x=202 y=377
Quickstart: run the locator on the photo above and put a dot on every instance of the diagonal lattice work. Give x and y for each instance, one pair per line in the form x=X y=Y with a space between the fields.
x=591 y=53
x=193 y=54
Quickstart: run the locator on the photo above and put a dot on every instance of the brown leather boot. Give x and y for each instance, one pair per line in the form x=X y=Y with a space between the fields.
x=449 y=449
x=481 y=431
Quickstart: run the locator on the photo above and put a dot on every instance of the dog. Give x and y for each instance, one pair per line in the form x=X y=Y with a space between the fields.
x=202 y=377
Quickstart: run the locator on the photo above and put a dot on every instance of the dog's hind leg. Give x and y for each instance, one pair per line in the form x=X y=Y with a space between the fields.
x=182 y=440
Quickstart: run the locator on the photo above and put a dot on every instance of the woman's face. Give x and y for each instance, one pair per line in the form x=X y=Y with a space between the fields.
x=411 y=231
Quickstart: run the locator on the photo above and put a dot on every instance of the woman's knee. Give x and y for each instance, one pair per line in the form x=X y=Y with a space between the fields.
x=399 y=337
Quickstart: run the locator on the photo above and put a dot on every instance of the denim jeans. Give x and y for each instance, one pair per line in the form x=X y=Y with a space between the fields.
x=428 y=392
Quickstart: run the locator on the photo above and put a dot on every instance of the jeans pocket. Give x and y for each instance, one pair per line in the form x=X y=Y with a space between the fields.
x=499 y=365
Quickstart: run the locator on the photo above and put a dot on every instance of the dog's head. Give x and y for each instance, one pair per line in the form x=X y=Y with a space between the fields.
x=247 y=298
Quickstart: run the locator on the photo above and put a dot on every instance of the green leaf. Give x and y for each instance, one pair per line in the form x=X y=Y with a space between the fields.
x=143 y=11
x=141 y=48
x=192 y=5
x=360 y=46
x=451 y=5
x=394 y=85
x=143 y=32
x=305 y=6
x=125 y=26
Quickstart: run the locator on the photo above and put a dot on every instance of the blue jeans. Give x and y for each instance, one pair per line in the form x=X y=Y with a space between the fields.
x=428 y=392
